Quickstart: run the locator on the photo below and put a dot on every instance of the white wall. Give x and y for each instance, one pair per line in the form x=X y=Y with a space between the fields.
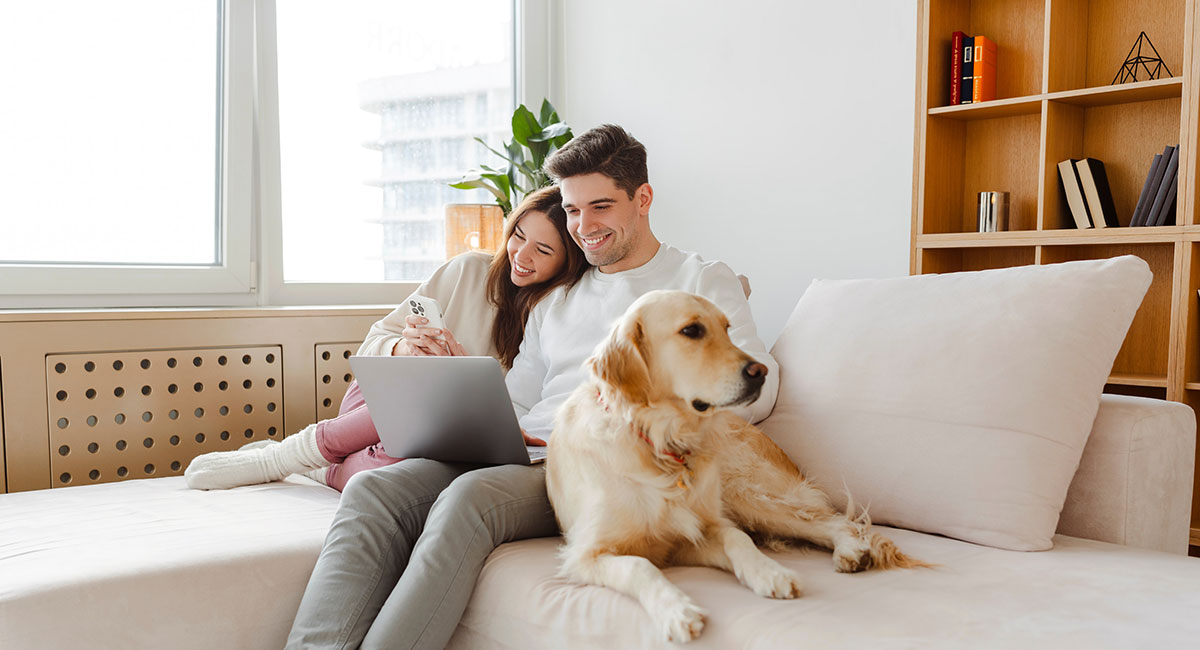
x=780 y=133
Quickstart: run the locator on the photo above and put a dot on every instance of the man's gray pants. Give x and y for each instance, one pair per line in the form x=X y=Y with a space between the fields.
x=406 y=546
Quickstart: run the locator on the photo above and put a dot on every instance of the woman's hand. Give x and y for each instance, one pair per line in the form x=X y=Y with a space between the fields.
x=530 y=440
x=418 y=340
x=421 y=341
x=452 y=346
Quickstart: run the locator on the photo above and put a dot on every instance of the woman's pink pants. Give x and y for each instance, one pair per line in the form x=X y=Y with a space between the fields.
x=350 y=441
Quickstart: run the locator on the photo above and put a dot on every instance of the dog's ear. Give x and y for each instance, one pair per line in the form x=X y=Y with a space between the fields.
x=621 y=363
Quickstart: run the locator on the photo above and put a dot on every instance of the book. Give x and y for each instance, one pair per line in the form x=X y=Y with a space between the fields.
x=1166 y=216
x=1074 y=191
x=983 y=87
x=1097 y=192
x=1155 y=180
x=956 y=45
x=1170 y=166
x=1147 y=196
x=968 y=70
x=1166 y=191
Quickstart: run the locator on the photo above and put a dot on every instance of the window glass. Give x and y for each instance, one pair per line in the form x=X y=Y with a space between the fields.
x=109 y=143
x=379 y=102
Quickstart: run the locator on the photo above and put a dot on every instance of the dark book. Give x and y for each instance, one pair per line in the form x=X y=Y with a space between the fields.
x=1166 y=216
x=1074 y=191
x=956 y=46
x=1147 y=195
x=968 y=70
x=1155 y=216
x=1099 y=196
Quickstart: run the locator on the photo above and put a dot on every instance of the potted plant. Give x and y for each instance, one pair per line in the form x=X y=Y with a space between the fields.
x=534 y=138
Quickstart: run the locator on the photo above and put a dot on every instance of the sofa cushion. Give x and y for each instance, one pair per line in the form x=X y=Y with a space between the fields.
x=1083 y=594
x=151 y=564
x=956 y=404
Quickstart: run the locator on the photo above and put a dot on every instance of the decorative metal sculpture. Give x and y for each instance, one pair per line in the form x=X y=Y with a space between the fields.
x=1129 y=69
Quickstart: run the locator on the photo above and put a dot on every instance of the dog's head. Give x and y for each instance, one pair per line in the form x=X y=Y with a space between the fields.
x=675 y=345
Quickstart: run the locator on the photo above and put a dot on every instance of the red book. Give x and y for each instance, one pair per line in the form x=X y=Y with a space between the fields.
x=956 y=45
x=984 y=72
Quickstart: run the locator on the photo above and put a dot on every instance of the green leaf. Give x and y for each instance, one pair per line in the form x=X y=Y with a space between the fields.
x=469 y=183
x=524 y=124
x=549 y=115
x=538 y=152
x=550 y=133
x=489 y=148
x=562 y=140
x=516 y=154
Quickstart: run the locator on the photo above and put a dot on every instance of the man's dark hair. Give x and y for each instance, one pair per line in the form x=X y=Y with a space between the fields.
x=607 y=149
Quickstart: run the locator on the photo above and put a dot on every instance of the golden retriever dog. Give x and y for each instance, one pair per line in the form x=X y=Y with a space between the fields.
x=647 y=468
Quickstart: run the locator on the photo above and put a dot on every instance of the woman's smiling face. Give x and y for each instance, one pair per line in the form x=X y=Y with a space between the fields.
x=535 y=251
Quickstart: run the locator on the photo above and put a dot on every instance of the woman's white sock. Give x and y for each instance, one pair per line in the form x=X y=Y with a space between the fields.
x=259 y=464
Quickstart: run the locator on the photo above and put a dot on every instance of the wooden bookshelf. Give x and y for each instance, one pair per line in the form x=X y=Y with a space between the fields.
x=1056 y=61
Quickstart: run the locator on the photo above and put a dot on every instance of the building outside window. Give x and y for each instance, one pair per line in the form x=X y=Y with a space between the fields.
x=376 y=121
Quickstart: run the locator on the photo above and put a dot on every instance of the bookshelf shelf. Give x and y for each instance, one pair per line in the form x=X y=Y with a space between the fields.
x=1056 y=61
x=1146 y=381
x=1140 y=91
x=1160 y=234
x=994 y=108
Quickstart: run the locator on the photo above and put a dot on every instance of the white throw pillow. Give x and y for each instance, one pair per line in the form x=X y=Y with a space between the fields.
x=956 y=404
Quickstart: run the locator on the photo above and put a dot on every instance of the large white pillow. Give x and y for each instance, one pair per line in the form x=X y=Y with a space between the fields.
x=959 y=403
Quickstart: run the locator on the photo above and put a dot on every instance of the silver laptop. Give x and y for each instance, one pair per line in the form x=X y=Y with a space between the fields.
x=453 y=409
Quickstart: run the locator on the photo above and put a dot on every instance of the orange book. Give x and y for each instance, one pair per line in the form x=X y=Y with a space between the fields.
x=984 y=87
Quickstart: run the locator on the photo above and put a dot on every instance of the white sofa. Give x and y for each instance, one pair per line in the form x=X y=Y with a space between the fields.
x=150 y=564
x=926 y=381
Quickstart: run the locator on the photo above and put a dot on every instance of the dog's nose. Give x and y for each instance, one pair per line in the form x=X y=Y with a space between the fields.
x=754 y=371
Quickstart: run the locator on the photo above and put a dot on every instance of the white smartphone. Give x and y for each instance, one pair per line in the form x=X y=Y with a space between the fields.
x=427 y=308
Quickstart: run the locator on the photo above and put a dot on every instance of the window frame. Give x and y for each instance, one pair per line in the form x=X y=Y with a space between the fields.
x=231 y=282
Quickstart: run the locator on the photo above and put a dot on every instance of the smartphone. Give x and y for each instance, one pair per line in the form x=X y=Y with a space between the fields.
x=427 y=308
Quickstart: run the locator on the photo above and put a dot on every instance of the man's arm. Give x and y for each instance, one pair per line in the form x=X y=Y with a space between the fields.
x=720 y=284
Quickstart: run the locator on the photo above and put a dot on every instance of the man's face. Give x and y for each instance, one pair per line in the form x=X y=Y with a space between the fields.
x=601 y=217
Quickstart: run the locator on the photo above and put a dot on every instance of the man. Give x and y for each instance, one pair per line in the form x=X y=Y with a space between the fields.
x=409 y=540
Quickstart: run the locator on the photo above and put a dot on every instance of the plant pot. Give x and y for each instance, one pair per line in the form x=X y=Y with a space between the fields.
x=473 y=227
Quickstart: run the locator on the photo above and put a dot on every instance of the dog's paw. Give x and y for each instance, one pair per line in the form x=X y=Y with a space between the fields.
x=680 y=620
x=773 y=580
x=852 y=556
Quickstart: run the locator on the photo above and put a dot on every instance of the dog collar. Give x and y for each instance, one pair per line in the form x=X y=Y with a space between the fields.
x=678 y=458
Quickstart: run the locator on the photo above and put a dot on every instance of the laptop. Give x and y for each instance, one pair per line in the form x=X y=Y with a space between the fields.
x=453 y=409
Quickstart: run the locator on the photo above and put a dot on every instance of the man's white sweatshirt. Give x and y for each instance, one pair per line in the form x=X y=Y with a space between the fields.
x=565 y=328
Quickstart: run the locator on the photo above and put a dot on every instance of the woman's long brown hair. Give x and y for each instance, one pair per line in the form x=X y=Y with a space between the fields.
x=514 y=303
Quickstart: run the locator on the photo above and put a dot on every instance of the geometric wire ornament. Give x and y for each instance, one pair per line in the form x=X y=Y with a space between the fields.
x=1135 y=61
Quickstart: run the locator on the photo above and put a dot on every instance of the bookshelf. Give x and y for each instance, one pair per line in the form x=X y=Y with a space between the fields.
x=1055 y=63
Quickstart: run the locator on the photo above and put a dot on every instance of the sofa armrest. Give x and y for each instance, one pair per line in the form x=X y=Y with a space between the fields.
x=1134 y=482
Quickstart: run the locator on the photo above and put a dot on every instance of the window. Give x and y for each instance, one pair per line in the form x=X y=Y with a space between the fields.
x=379 y=104
x=167 y=154
x=119 y=134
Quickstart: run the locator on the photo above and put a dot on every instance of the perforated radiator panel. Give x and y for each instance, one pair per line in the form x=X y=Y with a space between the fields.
x=333 y=376
x=126 y=415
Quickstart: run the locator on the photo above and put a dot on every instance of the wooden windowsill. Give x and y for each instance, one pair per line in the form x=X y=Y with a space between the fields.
x=169 y=313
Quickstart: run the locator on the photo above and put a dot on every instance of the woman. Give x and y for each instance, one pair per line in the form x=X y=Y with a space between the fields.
x=486 y=300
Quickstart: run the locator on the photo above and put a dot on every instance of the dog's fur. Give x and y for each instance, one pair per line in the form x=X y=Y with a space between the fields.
x=647 y=468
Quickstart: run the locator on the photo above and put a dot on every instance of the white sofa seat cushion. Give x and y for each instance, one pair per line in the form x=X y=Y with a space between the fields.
x=957 y=404
x=152 y=564
x=1083 y=594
